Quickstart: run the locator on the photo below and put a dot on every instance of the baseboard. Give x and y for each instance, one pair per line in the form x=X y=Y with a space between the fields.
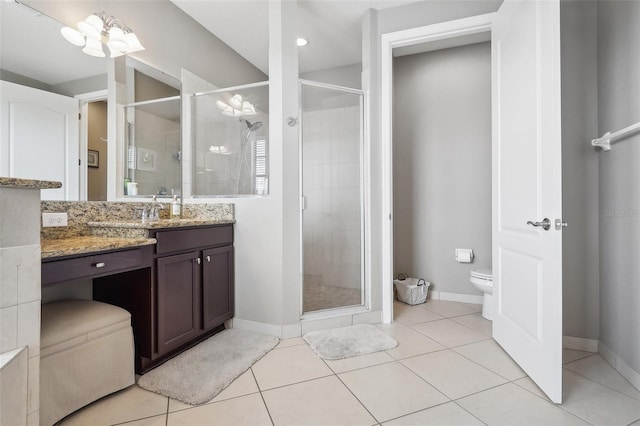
x=579 y=344
x=258 y=327
x=338 y=320
x=304 y=326
x=621 y=367
x=290 y=331
x=456 y=297
x=280 y=331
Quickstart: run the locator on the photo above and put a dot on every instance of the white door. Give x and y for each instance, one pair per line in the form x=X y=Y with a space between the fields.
x=527 y=260
x=39 y=138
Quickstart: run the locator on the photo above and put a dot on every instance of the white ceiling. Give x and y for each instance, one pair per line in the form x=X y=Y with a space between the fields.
x=333 y=28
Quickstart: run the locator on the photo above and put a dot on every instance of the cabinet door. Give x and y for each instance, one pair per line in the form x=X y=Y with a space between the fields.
x=217 y=286
x=178 y=314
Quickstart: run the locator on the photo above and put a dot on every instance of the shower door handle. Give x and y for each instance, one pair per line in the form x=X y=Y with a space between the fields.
x=545 y=224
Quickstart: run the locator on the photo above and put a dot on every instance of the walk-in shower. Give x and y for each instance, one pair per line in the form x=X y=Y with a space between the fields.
x=332 y=158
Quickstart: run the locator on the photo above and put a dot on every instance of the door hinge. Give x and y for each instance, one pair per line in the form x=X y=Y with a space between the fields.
x=79 y=162
x=79 y=116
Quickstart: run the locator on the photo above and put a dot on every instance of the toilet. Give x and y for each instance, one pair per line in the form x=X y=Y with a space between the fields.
x=482 y=279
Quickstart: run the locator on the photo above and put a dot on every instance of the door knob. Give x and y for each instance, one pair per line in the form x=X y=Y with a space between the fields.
x=545 y=224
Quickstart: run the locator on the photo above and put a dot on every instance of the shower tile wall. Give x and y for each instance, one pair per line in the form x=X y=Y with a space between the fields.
x=20 y=296
x=331 y=179
x=158 y=142
x=214 y=173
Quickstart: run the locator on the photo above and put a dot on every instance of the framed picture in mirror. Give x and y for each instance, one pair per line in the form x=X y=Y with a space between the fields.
x=93 y=158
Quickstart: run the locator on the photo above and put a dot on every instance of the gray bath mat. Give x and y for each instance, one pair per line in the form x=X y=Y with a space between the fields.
x=199 y=374
x=346 y=342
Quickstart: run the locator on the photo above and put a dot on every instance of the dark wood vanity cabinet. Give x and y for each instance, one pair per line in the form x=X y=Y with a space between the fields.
x=217 y=296
x=178 y=300
x=194 y=295
x=194 y=284
x=186 y=294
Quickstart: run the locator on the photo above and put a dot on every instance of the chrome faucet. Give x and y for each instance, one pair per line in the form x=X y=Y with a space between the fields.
x=154 y=209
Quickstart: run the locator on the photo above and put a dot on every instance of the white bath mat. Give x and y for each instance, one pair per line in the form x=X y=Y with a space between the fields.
x=345 y=342
x=199 y=374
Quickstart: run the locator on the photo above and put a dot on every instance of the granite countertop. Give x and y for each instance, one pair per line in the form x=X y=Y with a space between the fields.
x=88 y=244
x=11 y=182
x=157 y=224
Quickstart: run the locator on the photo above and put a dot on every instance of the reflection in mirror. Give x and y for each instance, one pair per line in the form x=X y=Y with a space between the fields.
x=34 y=53
x=151 y=125
x=230 y=129
x=46 y=70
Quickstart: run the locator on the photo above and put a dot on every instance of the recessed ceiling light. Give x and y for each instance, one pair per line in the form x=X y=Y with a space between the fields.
x=301 y=41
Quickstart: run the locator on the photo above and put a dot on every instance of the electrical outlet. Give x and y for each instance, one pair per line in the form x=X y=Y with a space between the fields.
x=54 y=219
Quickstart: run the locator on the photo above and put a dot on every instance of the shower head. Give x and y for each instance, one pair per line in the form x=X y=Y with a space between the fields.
x=252 y=127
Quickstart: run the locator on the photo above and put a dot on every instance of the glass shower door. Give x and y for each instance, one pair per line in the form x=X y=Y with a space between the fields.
x=332 y=215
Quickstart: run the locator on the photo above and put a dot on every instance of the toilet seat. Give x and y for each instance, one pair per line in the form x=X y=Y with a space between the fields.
x=483 y=274
x=482 y=279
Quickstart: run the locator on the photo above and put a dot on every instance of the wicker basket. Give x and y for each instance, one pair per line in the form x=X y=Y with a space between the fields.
x=412 y=291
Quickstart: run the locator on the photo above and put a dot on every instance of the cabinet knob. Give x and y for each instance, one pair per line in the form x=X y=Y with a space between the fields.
x=208 y=258
x=198 y=260
x=100 y=265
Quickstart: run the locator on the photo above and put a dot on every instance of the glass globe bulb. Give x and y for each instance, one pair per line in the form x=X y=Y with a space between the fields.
x=73 y=36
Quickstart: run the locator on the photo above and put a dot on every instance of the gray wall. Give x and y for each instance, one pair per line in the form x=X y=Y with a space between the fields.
x=83 y=85
x=347 y=76
x=97 y=176
x=432 y=12
x=619 y=178
x=25 y=81
x=580 y=285
x=442 y=164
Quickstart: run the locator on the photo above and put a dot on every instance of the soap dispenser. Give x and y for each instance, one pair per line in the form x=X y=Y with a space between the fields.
x=175 y=208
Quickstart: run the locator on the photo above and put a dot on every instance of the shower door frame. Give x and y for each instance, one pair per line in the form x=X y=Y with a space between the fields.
x=364 y=155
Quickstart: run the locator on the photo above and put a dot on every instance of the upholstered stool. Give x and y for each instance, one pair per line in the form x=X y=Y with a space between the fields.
x=86 y=352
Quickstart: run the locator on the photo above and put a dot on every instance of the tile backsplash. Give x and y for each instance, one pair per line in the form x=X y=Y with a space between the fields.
x=82 y=212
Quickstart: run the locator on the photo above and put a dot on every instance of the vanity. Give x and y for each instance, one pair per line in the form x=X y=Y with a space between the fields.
x=175 y=277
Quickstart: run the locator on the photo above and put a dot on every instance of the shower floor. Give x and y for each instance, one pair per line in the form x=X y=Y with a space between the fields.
x=318 y=297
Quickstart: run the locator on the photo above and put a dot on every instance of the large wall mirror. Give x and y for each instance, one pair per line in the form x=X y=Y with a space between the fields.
x=144 y=154
x=150 y=125
x=224 y=154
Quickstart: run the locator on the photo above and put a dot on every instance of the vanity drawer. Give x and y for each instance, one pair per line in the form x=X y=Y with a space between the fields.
x=187 y=239
x=91 y=266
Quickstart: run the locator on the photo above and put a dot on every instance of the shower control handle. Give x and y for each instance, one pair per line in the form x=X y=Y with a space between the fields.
x=545 y=224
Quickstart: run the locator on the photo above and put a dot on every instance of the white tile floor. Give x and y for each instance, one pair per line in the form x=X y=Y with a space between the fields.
x=446 y=371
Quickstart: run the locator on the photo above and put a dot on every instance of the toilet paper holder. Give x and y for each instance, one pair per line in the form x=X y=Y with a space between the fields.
x=464 y=255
